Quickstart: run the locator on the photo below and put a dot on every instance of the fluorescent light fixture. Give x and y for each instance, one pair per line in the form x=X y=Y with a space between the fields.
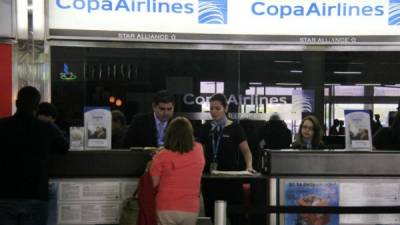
x=255 y=83
x=334 y=84
x=283 y=61
x=22 y=19
x=347 y=72
x=288 y=84
x=286 y=61
x=296 y=71
x=38 y=20
x=361 y=84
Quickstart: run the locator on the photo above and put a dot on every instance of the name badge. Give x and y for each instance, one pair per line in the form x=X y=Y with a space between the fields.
x=213 y=166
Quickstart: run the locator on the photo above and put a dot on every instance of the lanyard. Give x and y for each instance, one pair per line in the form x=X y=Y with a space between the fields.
x=215 y=144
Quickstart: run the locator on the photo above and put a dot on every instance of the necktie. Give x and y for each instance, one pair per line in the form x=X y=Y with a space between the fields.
x=161 y=127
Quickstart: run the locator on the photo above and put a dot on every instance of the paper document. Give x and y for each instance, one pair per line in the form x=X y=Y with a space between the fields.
x=232 y=173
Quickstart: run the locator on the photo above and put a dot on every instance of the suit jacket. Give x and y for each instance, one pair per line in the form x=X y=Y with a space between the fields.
x=142 y=132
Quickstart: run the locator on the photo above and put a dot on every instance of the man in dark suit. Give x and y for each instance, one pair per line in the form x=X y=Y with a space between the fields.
x=147 y=130
x=26 y=143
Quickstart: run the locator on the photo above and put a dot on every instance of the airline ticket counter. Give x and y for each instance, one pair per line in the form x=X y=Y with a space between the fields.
x=338 y=187
x=88 y=187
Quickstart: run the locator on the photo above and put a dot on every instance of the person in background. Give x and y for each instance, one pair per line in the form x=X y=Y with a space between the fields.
x=374 y=125
x=147 y=130
x=26 y=144
x=223 y=141
x=119 y=129
x=378 y=120
x=341 y=127
x=47 y=112
x=388 y=138
x=176 y=174
x=276 y=135
x=309 y=135
x=333 y=130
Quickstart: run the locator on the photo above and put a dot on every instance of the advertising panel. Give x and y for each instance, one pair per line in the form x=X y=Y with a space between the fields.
x=223 y=21
x=340 y=192
x=88 y=201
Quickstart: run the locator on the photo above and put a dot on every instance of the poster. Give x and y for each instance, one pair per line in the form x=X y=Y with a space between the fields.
x=98 y=127
x=76 y=138
x=311 y=194
x=370 y=194
x=358 y=129
x=89 y=212
x=88 y=201
x=89 y=191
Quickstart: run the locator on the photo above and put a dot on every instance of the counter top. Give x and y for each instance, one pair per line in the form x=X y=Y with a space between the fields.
x=109 y=163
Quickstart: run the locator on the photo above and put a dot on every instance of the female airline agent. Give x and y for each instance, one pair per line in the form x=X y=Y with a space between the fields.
x=224 y=141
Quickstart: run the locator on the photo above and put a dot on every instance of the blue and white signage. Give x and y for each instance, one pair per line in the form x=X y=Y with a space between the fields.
x=303 y=21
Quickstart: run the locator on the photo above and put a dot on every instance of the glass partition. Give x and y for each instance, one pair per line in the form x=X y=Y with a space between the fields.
x=257 y=84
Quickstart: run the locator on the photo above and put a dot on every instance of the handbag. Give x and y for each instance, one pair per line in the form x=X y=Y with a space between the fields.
x=129 y=211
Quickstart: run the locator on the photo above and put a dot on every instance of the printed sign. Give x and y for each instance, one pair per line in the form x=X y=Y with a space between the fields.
x=311 y=194
x=237 y=21
x=97 y=127
x=358 y=129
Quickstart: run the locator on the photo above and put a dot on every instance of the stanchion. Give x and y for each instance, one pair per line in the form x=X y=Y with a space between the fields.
x=220 y=212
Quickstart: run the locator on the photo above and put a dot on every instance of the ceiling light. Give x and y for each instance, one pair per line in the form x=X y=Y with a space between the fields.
x=296 y=71
x=335 y=84
x=347 y=72
x=288 y=84
x=361 y=84
x=255 y=83
x=285 y=61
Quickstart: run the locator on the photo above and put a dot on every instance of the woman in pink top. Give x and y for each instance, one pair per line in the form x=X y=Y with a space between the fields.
x=176 y=173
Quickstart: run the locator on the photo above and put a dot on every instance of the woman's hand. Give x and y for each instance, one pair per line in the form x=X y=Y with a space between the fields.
x=251 y=170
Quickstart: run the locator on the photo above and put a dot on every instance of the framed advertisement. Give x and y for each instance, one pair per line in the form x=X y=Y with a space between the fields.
x=97 y=127
x=358 y=129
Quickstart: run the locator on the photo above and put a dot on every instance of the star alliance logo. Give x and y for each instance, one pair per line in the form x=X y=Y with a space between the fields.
x=213 y=11
x=66 y=74
x=394 y=12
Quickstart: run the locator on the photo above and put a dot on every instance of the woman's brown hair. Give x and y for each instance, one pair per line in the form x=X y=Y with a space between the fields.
x=179 y=135
x=317 y=138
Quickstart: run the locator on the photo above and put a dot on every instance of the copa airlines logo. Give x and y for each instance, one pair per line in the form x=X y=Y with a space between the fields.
x=394 y=12
x=213 y=11
x=303 y=101
x=210 y=11
x=318 y=9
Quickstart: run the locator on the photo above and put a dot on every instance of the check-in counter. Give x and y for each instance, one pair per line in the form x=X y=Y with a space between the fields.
x=333 y=187
x=88 y=187
x=91 y=164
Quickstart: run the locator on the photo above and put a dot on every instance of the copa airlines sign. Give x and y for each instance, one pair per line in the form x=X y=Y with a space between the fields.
x=253 y=19
x=317 y=9
x=191 y=99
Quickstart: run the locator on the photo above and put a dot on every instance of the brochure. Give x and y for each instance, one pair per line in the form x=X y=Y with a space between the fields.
x=98 y=127
x=358 y=130
x=76 y=138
